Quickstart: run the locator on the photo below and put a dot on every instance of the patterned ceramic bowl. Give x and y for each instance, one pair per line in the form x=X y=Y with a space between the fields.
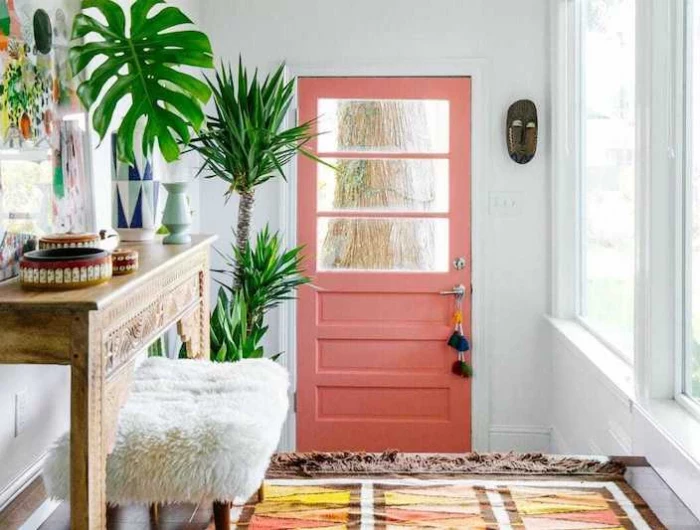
x=63 y=269
x=69 y=241
x=124 y=261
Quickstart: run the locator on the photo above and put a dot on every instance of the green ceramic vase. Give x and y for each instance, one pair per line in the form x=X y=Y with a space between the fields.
x=177 y=217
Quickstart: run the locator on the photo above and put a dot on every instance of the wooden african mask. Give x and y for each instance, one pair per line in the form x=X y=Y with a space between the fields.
x=521 y=131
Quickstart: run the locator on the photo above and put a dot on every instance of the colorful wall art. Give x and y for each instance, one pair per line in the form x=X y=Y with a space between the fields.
x=41 y=124
x=37 y=84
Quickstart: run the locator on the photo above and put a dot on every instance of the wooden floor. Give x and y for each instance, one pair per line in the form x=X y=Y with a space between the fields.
x=642 y=478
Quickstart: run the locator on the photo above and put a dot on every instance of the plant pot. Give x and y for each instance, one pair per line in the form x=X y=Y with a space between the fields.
x=135 y=199
x=177 y=217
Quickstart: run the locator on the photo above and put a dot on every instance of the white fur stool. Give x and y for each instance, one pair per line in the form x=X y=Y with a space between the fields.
x=191 y=431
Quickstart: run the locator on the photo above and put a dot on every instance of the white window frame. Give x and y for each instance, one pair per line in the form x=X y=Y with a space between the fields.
x=568 y=136
x=683 y=43
x=658 y=238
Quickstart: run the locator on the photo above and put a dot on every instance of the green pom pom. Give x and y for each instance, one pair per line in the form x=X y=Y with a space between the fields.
x=467 y=370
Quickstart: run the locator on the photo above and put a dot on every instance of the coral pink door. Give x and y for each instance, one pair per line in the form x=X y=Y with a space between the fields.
x=385 y=233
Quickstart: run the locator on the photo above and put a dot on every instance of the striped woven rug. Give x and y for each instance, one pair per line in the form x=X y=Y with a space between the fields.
x=490 y=504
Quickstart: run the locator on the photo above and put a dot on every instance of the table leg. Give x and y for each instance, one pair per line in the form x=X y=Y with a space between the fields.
x=87 y=448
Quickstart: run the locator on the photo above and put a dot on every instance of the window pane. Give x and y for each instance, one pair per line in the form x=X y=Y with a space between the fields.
x=380 y=185
x=608 y=170
x=383 y=244
x=385 y=126
x=693 y=150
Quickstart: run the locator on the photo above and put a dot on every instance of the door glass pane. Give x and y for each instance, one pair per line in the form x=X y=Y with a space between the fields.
x=385 y=126
x=388 y=244
x=609 y=170
x=692 y=367
x=384 y=184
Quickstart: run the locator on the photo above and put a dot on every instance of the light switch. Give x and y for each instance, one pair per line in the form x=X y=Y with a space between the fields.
x=505 y=203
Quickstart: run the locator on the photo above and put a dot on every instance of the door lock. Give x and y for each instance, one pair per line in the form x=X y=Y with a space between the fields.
x=460 y=263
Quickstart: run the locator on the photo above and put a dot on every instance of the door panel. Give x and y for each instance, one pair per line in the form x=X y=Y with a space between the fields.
x=381 y=233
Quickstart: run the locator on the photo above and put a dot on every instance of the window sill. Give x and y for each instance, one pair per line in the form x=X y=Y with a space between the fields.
x=680 y=426
x=674 y=421
x=610 y=365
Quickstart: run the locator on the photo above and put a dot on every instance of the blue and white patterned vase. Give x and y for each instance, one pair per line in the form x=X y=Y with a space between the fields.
x=135 y=198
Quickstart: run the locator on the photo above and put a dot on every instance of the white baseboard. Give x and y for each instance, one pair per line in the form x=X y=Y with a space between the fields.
x=559 y=444
x=526 y=438
x=20 y=482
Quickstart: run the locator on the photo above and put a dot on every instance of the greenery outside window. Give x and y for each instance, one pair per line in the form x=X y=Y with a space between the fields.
x=607 y=172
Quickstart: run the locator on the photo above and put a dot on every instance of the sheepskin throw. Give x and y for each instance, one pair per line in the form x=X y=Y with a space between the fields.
x=190 y=431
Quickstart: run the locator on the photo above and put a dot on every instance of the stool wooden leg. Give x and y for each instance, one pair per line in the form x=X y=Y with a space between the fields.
x=222 y=515
x=153 y=512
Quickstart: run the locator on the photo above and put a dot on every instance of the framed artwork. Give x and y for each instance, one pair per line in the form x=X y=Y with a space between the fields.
x=45 y=177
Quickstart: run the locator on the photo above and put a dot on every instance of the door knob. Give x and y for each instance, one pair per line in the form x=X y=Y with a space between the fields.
x=457 y=290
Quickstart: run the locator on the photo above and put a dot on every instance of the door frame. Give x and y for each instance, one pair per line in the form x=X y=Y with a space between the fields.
x=477 y=70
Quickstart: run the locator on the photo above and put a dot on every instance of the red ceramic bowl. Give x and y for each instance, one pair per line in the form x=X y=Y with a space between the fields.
x=124 y=261
x=65 y=268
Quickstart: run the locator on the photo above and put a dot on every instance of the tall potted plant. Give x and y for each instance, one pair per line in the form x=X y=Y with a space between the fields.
x=245 y=143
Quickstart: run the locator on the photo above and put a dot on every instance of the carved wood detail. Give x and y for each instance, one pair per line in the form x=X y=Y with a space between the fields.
x=145 y=314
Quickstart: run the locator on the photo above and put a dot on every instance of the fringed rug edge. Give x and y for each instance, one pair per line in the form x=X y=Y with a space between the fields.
x=396 y=463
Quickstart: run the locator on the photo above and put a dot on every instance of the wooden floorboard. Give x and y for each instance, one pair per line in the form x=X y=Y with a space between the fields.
x=663 y=502
x=23 y=506
x=667 y=506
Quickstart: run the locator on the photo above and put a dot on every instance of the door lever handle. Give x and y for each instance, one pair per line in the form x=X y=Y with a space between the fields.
x=458 y=290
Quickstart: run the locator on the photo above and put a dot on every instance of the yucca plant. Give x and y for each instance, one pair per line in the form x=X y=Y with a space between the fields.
x=266 y=275
x=245 y=142
x=232 y=338
x=142 y=65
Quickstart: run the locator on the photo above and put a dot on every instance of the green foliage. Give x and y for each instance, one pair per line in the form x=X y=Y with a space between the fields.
x=244 y=142
x=269 y=275
x=232 y=337
x=157 y=347
x=143 y=65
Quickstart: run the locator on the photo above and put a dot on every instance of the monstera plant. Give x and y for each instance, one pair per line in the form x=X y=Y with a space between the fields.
x=142 y=65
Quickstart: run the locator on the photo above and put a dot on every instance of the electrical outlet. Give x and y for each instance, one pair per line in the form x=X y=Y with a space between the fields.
x=21 y=411
x=505 y=203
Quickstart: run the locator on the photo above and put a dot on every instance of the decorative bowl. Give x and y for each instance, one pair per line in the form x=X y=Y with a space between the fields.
x=124 y=261
x=103 y=240
x=65 y=268
x=52 y=241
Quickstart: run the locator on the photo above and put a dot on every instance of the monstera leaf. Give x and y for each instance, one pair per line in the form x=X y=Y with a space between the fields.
x=142 y=66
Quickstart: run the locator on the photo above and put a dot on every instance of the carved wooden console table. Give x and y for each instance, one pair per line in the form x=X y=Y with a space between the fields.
x=98 y=332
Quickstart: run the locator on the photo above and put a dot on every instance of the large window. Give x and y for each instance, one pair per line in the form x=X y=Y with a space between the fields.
x=691 y=379
x=607 y=169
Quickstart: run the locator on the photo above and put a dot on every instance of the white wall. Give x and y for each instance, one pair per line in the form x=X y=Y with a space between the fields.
x=512 y=36
x=590 y=414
